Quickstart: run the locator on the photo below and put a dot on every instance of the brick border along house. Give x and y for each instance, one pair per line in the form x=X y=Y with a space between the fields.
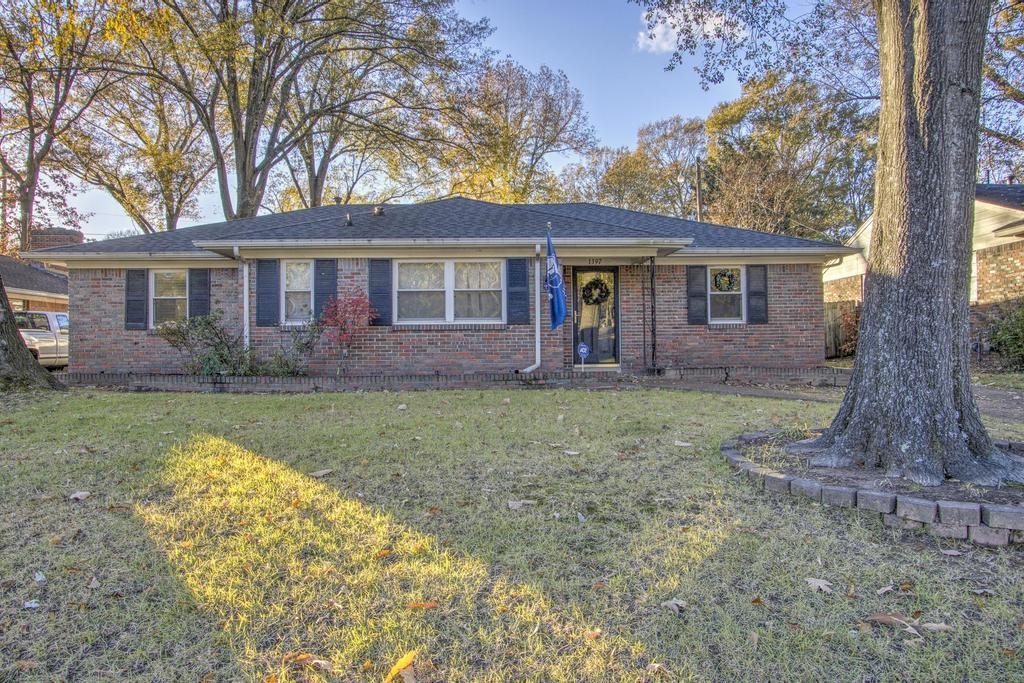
x=997 y=263
x=455 y=283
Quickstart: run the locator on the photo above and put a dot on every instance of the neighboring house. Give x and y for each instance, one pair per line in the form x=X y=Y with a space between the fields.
x=455 y=284
x=32 y=287
x=997 y=264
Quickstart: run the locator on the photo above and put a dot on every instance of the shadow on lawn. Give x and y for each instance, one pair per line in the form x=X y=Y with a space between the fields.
x=293 y=568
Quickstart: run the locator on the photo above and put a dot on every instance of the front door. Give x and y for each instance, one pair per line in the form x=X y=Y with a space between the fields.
x=596 y=307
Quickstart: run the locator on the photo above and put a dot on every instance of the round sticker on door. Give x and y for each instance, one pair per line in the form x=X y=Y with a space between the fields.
x=583 y=351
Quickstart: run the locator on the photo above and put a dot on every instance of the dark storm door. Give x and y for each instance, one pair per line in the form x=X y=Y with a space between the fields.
x=595 y=314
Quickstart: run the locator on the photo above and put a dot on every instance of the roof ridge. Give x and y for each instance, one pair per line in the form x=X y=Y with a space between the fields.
x=536 y=209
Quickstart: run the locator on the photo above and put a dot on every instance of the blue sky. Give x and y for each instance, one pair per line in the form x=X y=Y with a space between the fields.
x=601 y=45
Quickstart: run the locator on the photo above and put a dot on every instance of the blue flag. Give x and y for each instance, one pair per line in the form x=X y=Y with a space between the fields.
x=555 y=286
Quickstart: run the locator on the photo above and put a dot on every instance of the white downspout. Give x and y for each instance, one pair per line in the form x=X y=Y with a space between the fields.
x=537 y=308
x=245 y=304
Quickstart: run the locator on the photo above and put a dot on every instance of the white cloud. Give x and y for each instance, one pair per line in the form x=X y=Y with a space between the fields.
x=660 y=41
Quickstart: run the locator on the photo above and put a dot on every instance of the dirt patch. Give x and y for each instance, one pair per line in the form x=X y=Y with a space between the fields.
x=771 y=453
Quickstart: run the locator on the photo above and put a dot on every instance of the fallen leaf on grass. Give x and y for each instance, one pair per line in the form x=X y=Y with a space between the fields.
x=820 y=585
x=571 y=452
x=299 y=658
x=32 y=604
x=906 y=586
x=429 y=604
x=598 y=585
x=186 y=544
x=593 y=634
x=895 y=620
x=757 y=601
x=79 y=495
x=656 y=669
x=885 y=589
x=984 y=592
x=27 y=664
x=319 y=474
x=674 y=604
x=683 y=444
x=941 y=627
x=752 y=639
x=951 y=553
x=404 y=663
x=519 y=504
x=94 y=584
x=39 y=577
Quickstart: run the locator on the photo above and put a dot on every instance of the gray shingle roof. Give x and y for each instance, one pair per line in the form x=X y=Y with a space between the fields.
x=1010 y=196
x=454 y=218
x=20 y=275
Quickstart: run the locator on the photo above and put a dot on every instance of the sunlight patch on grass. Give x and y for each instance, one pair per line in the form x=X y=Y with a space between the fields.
x=288 y=565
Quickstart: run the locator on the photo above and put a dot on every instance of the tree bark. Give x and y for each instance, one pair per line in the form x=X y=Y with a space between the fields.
x=909 y=408
x=18 y=368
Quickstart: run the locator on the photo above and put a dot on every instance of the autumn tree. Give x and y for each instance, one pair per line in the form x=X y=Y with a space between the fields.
x=53 y=59
x=909 y=408
x=144 y=145
x=505 y=125
x=787 y=158
x=243 y=67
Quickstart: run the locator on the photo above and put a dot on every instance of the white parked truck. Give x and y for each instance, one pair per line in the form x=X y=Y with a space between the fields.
x=46 y=336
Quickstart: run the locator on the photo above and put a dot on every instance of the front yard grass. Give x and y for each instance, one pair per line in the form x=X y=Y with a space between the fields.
x=214 y=545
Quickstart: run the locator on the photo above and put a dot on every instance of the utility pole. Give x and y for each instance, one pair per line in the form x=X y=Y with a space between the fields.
x=700 y=203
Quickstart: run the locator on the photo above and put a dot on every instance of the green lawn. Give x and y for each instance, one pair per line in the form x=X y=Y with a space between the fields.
x=207 y=551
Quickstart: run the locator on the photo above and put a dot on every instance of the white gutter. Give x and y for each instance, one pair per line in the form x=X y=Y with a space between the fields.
x=121 y=256
x=793 y=251
x=536 y=327
x=443 y=242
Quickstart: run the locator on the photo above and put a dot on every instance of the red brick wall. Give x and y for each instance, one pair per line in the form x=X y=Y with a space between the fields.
x=1001 y=273
x=845 y=289
x=419 y=349
x=55 y=237
x=792 y=338
x=99 y=342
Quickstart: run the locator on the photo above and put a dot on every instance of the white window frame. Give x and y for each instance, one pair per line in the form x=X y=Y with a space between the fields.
x=743 y=296
x=312 y=296
x=152 y=293
x=449 y=293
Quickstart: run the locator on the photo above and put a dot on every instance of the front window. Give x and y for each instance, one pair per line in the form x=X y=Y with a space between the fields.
x=298 y=291
x=170 y=296
x=449 y=291
x=478 y=291
x=725 y=294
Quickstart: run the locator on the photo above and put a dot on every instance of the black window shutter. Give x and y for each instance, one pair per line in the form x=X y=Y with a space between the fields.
x=757 y=295
x=325 y=284
x=517 y=291
x=136 y=299
x=380 y=290
x=268 y=292
x=198 y=292
x=697 y=295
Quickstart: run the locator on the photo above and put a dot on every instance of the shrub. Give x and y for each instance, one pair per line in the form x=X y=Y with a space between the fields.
x=209 y=347
x=849 y=324
x=343 y=315
x=1008 y=337
x=293 y=360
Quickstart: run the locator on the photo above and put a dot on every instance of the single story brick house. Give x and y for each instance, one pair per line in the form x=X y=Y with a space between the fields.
x=997 y=263
x=457 y=286
x=31 y=287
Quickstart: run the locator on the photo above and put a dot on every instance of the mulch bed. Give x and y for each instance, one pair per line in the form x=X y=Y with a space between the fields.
x=769 y=452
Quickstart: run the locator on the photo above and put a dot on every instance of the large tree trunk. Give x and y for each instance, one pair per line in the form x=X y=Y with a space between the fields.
x=909 y=408
x=18 y=368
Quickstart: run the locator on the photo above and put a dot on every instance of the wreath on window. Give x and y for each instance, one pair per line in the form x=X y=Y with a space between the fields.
x=725 y=281
x=596 y=292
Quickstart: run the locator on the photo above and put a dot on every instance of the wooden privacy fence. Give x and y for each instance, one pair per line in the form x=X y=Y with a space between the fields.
x=837 y=334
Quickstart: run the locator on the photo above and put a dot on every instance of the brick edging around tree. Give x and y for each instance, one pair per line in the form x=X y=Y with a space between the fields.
x=981 y=523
